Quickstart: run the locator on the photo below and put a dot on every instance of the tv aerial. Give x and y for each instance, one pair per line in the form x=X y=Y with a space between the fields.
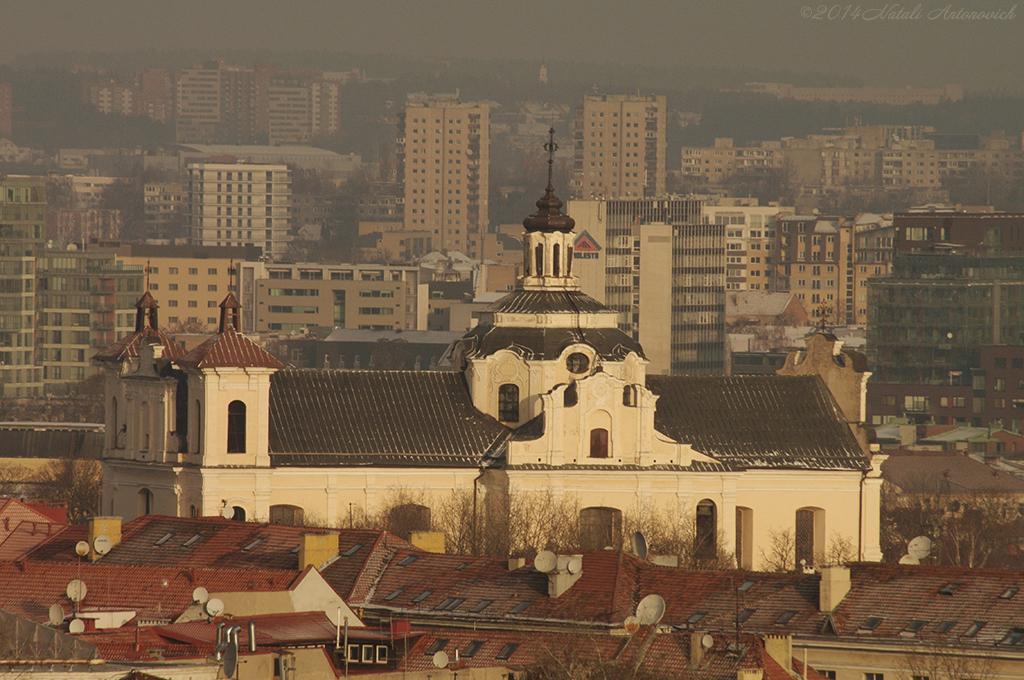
x=650 y=610
x=545 y=562
x=640 y=545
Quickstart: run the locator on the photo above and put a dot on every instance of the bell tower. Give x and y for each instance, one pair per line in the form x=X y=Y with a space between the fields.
x=547 y=244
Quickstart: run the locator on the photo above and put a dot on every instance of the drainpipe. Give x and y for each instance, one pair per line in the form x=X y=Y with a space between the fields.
x=476 y=527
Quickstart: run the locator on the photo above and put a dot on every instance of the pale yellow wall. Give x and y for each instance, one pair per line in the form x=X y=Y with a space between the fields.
x=170 y=279
x=656 y=296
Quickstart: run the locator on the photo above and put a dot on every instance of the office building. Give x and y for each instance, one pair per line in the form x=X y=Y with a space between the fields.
x=620 y=147
x=443 y=154
x=662 y=269
x=239 y=204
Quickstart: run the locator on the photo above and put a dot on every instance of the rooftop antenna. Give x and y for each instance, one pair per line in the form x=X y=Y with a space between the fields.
x=918 y=549
x=440 y=659
x=200 y=595
x=214 y=607
x=56 y=614
x=650 y=610
x=545 y=562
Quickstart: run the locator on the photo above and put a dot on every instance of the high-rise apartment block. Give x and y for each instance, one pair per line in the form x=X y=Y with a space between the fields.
x=443 y=152
x=620 y=147
x=662 y=268
x=239 y=204
x=22 y=220
x=6 y=110
x=814 y=261
x=749 y=243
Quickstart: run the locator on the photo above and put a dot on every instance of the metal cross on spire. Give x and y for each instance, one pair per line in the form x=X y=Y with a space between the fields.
x=551 y=147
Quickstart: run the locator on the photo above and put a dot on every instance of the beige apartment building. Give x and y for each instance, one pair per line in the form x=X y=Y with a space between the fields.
x=815 y=262
x=749 y=243
x=295 y=296
x=163 y=206
x=189 y=281
x=443 y=160
x=239 y=204
x=620 y=147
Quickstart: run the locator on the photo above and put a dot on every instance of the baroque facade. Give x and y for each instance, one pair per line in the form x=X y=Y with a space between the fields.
x=547 y=395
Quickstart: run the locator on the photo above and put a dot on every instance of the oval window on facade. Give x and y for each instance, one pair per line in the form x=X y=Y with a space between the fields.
x=577 y=362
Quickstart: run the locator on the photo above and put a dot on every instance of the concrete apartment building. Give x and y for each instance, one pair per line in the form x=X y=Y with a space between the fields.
x=662 y=268
x=814 y=261
x=443 y=160
x=294 y=296
x=6 y=110
x=85 y=301
x=22 y=220
x=190 y=281
x=239 y=204
x=620 y=147
x=749 y=243
x=163 y=205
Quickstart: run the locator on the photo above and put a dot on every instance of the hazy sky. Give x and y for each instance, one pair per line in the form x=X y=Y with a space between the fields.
x=929 y=46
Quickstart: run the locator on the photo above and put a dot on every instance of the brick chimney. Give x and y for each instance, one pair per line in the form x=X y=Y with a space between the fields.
x=317 y=549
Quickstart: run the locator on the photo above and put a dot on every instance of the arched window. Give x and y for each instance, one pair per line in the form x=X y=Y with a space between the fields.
x=568 y=261
x=192 y=512
x=555 y=263
x=198 y=444
x=113 y=424
x=144 y=426
x=599 y=443
x=289 y=515
x=744 y=538
x=705 y=538
x=238 y=514
x=539 y=255
x=629 y=395
x=145 y=502
x=405 y=519
x=600 y=528
x=236 y=427
x=810 y=536
x=508 y=403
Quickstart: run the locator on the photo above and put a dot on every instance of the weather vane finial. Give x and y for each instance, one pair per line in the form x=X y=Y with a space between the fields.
x=551 y=147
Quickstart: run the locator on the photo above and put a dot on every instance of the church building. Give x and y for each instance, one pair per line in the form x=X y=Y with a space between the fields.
x=545 y=394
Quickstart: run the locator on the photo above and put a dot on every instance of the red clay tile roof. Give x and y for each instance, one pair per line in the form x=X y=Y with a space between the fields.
x=229 y=349
x=128 y=347
x=25 y=536
x=788 y=422
x=945 y=473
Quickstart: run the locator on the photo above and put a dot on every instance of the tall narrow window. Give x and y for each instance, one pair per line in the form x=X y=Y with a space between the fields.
x=706 y=535
x=568 y=262
x=555 y=263
x=145 y=502
x=144 y=429
x=539 y=254
x=810 y=536
x=744 y=538
x=113 y=429
x=508 y=403
x=599 y=443
x=236 y=427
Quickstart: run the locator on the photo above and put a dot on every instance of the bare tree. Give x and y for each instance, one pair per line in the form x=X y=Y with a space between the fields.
x=841 y=550
x=76 y=483
x=946 y=659
x=671 y=532
x=780 y=552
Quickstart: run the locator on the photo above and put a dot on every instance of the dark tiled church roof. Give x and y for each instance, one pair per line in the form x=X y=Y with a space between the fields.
x=548 y=343
x=547 y=302
x=395 y=418
x=757 y=421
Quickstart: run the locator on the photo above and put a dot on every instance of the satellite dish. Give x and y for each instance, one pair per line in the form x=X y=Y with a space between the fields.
x=707 y=641
x=76 y=591
x=575 y=565
x=76 y=626
x=227 y=512
x=650 y=610
x=909 y=559
x=200 y=595
x=215 y=607
x=81 y=548
x=546 y=561
x=440 y=660
x=631 y=624
x=640 y=545
x=919 y=547
x=102 y=545
x=230 y=658
x=56 y=614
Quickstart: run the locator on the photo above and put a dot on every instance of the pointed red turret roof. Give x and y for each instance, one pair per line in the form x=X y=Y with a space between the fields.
x=229 y=348
x=146 y=326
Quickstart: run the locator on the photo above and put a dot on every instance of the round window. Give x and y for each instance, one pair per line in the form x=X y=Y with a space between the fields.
x=577 y=362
